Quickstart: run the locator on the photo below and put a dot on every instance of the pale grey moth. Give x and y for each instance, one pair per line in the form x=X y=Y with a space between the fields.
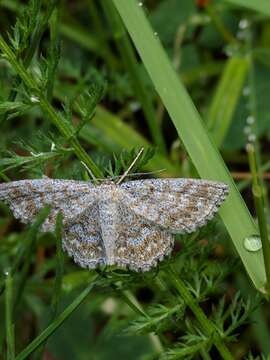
x=129 y=225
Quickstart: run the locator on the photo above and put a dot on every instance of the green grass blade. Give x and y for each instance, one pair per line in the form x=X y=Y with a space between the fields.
x=262 y=6
x=226 y=97
x=59 y=265
x=9 y=318
x=55 y=324
x=192 y=132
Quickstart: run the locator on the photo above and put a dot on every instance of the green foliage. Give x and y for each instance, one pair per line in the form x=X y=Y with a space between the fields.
x=77 y=103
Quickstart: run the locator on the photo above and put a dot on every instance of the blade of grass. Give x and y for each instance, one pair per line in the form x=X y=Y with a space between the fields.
x=56 y=323
x=192 y=132
x=262 y=6
x=59 y=265
x=226 y=97
x=9 y=320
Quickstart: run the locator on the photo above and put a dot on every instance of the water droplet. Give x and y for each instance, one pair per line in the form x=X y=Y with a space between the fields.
x=134 y=106
x=140 y=3
x=252 y=243
x=250 y=120
x=247 y=130
x=251 y=137
x=156 y=34
x=243 y=24
x=246 y=91
x=34 y=99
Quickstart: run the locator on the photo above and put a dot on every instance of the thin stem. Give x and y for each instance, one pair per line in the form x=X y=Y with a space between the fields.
x=205 y=323
x=259 y=205
x=9 y=320
x=130 y=299
x=59 y=266
x=129 y=58
x=217 y=21
x=56 y=323
x=130 y=167
x=62 y=125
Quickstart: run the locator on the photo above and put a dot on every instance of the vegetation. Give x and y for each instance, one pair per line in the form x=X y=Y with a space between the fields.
x=85 y=86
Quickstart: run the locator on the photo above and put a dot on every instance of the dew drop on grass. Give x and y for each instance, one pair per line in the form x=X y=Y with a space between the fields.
x=246 y=91
x=251 y=137
x=247 y=130
x=140 y=3
x=253 y=243
x=34 y=99
x=243 y=24
x=250 y=120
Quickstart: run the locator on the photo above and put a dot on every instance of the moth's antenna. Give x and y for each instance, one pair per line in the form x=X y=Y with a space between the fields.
x=130 y=167
x=89 y=171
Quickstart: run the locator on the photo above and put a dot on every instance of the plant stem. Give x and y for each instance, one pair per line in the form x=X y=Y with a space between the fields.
x=56 y=323
x=217 y=21
x=9 y=321
x=205 y=323
x=58 y=121
x=129 y=58
x=30 y=51
x=257 y=192
x=130 y=299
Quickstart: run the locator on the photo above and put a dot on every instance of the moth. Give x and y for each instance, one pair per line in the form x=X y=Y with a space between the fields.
x=128 y=225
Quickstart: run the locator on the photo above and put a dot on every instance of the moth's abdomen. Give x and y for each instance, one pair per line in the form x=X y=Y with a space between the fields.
x=108 y=210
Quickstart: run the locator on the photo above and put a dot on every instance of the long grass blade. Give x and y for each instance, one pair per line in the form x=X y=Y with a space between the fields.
x=9 y=318
x=192 y=132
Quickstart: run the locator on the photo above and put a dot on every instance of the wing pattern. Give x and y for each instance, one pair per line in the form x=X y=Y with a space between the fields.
x=140 y=244
x=27 y=197
x=179 y=205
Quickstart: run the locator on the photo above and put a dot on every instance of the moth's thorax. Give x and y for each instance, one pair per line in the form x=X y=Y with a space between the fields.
x=108 y=192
